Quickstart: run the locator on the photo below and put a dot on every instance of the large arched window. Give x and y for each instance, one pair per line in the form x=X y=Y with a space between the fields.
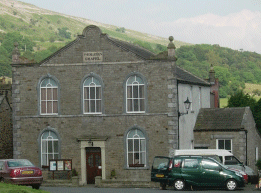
x=92 y=96
x=135 y=95
x=136 y=148
x=49 y=147
x=48 y=97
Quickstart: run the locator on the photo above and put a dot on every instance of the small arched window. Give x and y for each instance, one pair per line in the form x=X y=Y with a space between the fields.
x=49 y=147
x=92 y=96
x=48 y=97
x=136 y=148
x=135 y=95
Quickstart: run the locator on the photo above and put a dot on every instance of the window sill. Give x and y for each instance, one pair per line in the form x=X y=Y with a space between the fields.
x=137 y=167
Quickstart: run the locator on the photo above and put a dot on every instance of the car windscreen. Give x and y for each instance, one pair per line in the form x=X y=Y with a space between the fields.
x=231 y=160
x=160 y=163
x=19 y=163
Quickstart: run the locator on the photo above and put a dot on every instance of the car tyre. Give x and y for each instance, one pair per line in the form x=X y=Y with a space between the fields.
x=2 y=180
x=36 y=186
x=231 y=185
x=179 y=184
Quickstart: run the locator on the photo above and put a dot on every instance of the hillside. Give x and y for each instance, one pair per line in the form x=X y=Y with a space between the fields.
x=41 y=24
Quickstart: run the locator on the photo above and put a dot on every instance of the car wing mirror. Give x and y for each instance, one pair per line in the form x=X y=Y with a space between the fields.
x=220 y=169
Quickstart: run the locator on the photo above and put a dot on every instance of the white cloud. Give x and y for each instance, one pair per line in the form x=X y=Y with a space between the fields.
x=237 y=30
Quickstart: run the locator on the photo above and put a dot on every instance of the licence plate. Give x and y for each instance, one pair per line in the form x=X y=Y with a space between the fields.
x=159 y=175
x=27 y=172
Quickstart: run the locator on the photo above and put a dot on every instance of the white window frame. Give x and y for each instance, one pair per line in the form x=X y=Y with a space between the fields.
x=141 y=153
x=46 y=140
x=95 y=99
x=48 y=87
x=217 y=144
x=132 y=85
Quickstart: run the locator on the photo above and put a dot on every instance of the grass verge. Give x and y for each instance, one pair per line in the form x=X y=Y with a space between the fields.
x=10 y=188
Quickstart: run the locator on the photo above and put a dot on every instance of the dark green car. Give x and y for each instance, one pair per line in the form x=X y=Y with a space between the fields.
x=182 y=171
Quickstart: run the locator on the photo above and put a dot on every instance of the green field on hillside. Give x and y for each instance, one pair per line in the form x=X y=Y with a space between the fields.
x=249 y=88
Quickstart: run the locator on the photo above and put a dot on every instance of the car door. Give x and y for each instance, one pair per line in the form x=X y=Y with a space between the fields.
x=212 y=174
x=160 y=169
x=191 y=170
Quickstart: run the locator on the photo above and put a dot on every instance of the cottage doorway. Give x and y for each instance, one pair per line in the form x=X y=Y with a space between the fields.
x=93 y=163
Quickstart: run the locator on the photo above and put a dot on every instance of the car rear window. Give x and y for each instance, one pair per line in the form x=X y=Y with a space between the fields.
x=19 y=163
x=160 y=163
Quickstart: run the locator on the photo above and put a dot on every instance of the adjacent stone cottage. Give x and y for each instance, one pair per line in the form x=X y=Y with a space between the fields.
x=106 y=104
x=233 y=129
x=6 y=127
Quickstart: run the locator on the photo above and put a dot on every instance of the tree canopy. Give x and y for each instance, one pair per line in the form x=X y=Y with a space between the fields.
x=240 y=99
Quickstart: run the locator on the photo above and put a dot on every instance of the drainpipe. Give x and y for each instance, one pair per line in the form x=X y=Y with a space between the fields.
x=178 y=109
x=246 y=146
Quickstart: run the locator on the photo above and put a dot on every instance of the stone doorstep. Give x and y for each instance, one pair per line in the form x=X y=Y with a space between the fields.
x=105 y=184
x=127 y=184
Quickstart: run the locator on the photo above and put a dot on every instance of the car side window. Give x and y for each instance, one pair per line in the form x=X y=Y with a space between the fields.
x=1 y=165
x=177 y=163
x=190 y=163
x=209 y=165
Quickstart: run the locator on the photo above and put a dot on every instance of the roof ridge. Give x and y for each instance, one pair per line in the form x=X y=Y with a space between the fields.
x=193 y=75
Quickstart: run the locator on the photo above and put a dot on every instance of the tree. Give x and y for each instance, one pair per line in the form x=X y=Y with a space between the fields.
x=257 y=115
x=240 y=99
x=64 y=33
x=24 y=43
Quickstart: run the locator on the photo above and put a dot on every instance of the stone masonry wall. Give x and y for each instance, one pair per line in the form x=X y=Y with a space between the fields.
x=69 y=68
x=158 y=122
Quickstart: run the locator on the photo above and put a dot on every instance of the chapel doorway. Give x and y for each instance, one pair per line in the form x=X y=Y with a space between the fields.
x=93 y=163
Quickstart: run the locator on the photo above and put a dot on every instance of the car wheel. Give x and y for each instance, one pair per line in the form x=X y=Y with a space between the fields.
x=231 y=184
x=179 y=184
x=2 y=180
x=36 y=186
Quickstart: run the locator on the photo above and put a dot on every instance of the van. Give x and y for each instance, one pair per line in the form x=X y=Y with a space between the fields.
x=225 y=157
x=185 y=171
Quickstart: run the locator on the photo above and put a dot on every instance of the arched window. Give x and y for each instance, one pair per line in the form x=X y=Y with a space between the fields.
x=92 y=96
x=136 y=148
x=135 y=95
x=48 y=97
x=49 y=147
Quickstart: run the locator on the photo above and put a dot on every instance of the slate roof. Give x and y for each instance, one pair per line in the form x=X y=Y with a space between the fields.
x=211 y=119
x=141 y=52
x=184 y=76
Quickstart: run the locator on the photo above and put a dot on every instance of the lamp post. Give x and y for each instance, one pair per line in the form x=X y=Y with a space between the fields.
x=187 y=104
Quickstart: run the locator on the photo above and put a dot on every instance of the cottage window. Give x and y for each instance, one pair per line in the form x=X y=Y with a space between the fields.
x=49 y=147
x=136 y=148
x=49 y=97
x=224 y=144
x=92 y=96
x=135 y=97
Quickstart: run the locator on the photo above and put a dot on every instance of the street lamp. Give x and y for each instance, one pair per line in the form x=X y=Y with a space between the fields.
x=187 y=104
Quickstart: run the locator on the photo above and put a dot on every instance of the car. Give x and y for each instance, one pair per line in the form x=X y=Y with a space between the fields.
x=252 y=175
x=20 y=172
x=196 y=171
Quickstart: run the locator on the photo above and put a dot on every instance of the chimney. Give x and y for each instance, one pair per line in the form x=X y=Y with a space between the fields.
x=212 y=75
x=171 y=48
x=15 y=54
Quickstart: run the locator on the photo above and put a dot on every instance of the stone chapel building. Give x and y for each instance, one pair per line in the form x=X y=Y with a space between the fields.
x=106 y=104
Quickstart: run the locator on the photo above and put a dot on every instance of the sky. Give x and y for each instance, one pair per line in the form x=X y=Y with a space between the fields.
x=230 y=23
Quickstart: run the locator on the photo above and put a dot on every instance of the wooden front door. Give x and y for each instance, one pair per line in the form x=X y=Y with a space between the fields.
x=93 y=161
